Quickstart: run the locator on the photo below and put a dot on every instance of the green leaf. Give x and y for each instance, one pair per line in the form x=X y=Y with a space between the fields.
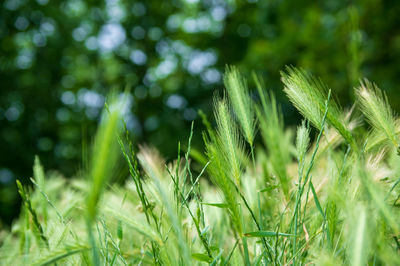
x=316 y=200
x=201 y=257
x=218 y=205
x=265 y=234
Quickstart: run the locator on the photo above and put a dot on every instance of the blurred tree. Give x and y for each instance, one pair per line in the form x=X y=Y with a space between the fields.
x=59 y=58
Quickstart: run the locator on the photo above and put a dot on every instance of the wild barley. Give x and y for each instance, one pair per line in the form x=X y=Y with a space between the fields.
x=341 y=204
x=239 y=96
x=275 y=138
x=374 y=105
x=229 y=139
x=308 y=95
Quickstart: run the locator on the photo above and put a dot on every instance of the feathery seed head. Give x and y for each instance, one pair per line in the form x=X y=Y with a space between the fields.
x=302 y=141
x=229 y=138
x=309 y=95
x=375 y=106
x=241 y=101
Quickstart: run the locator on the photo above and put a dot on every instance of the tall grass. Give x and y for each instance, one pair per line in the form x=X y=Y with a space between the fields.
x=328 y=196
x=275 y=137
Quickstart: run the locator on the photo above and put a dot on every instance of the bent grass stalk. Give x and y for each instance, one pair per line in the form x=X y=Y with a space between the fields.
x=104 y=156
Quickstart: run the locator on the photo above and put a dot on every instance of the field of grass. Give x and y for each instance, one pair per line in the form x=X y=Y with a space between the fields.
x=324 y=193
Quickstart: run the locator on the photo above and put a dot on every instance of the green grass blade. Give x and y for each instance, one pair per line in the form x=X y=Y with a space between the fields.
x=265 y=234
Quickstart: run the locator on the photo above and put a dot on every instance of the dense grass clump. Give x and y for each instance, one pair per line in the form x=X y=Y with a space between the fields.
x=326 y=195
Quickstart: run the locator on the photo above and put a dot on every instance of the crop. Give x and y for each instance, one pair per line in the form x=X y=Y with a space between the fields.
x=323 y=193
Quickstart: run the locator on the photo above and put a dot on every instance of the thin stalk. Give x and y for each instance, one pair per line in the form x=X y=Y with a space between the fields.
x=254 y=219
x=246 y=251
x=301 y=188
x=195 y=221
x=134 y=172
x=231 y=252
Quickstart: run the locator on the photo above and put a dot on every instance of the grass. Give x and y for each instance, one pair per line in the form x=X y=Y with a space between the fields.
x=324 y=193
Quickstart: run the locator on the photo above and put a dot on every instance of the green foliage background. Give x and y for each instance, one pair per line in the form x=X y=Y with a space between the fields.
x=59 y=58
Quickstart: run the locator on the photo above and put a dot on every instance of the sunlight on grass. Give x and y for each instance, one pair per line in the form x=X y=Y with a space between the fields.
x=326 y=195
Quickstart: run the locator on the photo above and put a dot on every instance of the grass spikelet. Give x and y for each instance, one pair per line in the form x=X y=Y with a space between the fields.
x=239 y=96
x=28 y=204
x=375 y=106
x=229 y=137
x=302 y=141
x=220 y=177
x=224 y=151
x=308 y=95
x=305 y=93
x=273 y=133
